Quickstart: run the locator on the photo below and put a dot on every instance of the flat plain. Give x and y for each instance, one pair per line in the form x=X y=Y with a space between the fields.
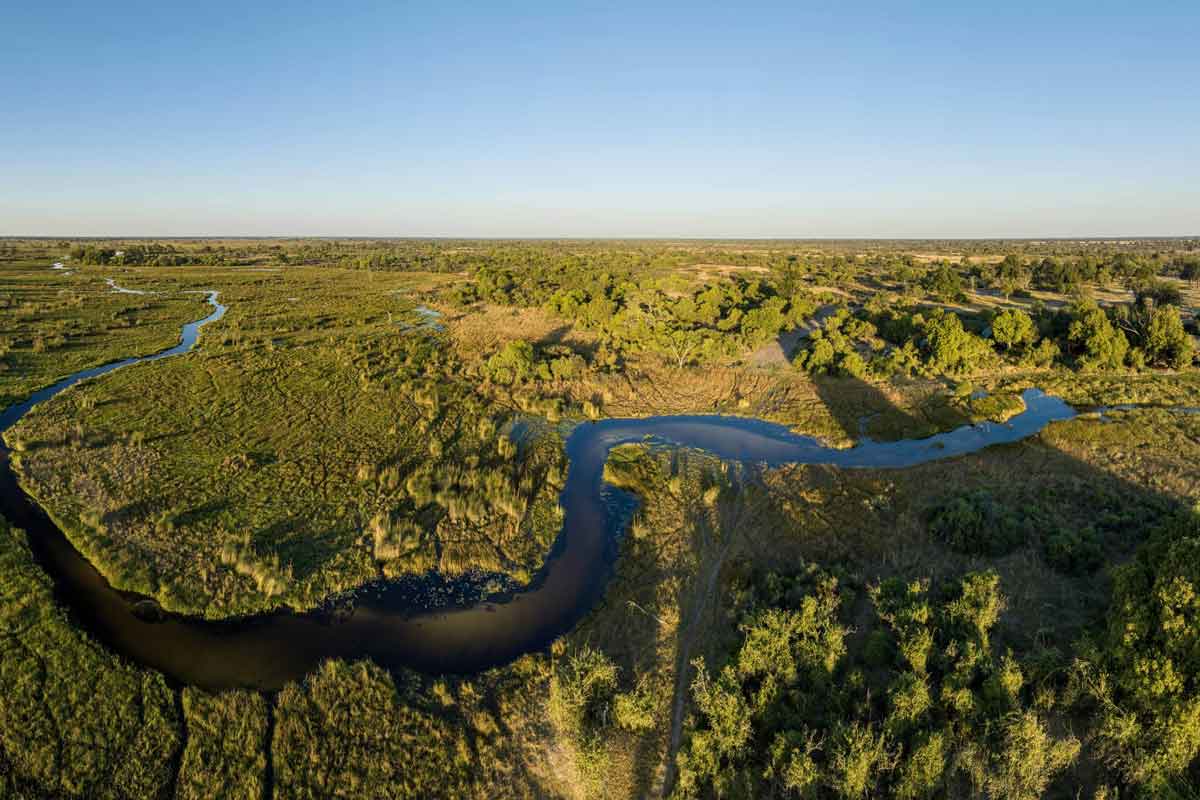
x=1018 y=622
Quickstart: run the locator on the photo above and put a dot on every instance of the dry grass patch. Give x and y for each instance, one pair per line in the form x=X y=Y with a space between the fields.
x=486 y=327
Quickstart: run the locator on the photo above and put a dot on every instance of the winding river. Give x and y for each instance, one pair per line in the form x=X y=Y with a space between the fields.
x=388 y=622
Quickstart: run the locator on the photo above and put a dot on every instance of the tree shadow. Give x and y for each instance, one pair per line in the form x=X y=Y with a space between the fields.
x=628 y=625
x=862 y=410
x=297 y=545
x=1077 y=516
x=555 y=336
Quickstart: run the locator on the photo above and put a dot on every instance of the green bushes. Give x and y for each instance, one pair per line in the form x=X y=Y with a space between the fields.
x=517 y=362
x=975 y=524
x=944 y=282
x=834 y=348
x=513 y=363
x=880 y=342
x=898 y=344
x=950 y=348
x=1014 y=328
x=632 y=315
x=581 y=693
x=583 y=688
x=980 y=524
x=1144 y=677
x=795 y=710
x=1057 y=275
x=1075 y=551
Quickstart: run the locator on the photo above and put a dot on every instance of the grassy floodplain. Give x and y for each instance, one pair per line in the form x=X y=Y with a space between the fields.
x=1020 y=622
x=57 y=322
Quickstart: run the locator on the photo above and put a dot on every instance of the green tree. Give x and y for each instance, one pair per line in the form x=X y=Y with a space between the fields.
x=1014 y=328
x=951 y=349
x=1028 y=758
x=859 y=754
x=921 y=772
x=944 y=282
x=1146 y=678
x=1167 y=343
x=512 y=364
x=1092 y=335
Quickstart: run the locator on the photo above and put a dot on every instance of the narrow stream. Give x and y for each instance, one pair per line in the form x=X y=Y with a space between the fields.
x=390 y=625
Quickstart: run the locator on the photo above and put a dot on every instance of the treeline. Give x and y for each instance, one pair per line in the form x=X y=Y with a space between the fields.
x=442 y=254
x=882 y=341
x=1056 y=266
x=1068 y=275
x=676 y=320
x=151 y=255
x=468 y=256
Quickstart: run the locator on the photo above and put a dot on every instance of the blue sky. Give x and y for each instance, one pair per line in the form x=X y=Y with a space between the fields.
x=600 y=119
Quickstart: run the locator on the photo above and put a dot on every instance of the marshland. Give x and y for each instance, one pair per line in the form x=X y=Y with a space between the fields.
x=1014 y=618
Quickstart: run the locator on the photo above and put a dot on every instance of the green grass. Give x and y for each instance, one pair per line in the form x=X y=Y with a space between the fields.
x=53 y=325
x=305 y=448
x=1152 y=388
x=314 y=442
x=351 y=730
x=77 y=721
x=74 y=719
x=226 y=752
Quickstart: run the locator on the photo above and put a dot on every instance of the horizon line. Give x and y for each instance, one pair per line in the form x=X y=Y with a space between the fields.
x=572 y=238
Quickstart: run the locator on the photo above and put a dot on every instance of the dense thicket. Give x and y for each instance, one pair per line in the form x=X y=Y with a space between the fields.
x=1141 y=678
x=686 y=324
x=883 y=342
x=922 y=705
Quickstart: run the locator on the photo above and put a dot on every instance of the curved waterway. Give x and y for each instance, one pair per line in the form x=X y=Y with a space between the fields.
x=390 y=622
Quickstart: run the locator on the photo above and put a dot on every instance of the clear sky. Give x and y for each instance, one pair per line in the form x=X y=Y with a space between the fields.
x=600 y=119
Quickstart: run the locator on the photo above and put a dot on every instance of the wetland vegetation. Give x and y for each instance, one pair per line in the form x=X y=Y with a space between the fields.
x=1017 y=622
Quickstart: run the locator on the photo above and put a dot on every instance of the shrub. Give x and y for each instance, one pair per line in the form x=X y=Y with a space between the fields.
x=581 y=693
x=950 y=348
x=975 y=524
x=512 y=364
x=1043 y=355
x=1145 y=680
x=1074 y=551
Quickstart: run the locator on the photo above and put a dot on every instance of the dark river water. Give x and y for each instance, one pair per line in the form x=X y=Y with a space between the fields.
x=390 y=622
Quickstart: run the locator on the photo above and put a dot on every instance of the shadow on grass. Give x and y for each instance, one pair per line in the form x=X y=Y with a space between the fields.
x=1076 y=519
x=860 y=409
